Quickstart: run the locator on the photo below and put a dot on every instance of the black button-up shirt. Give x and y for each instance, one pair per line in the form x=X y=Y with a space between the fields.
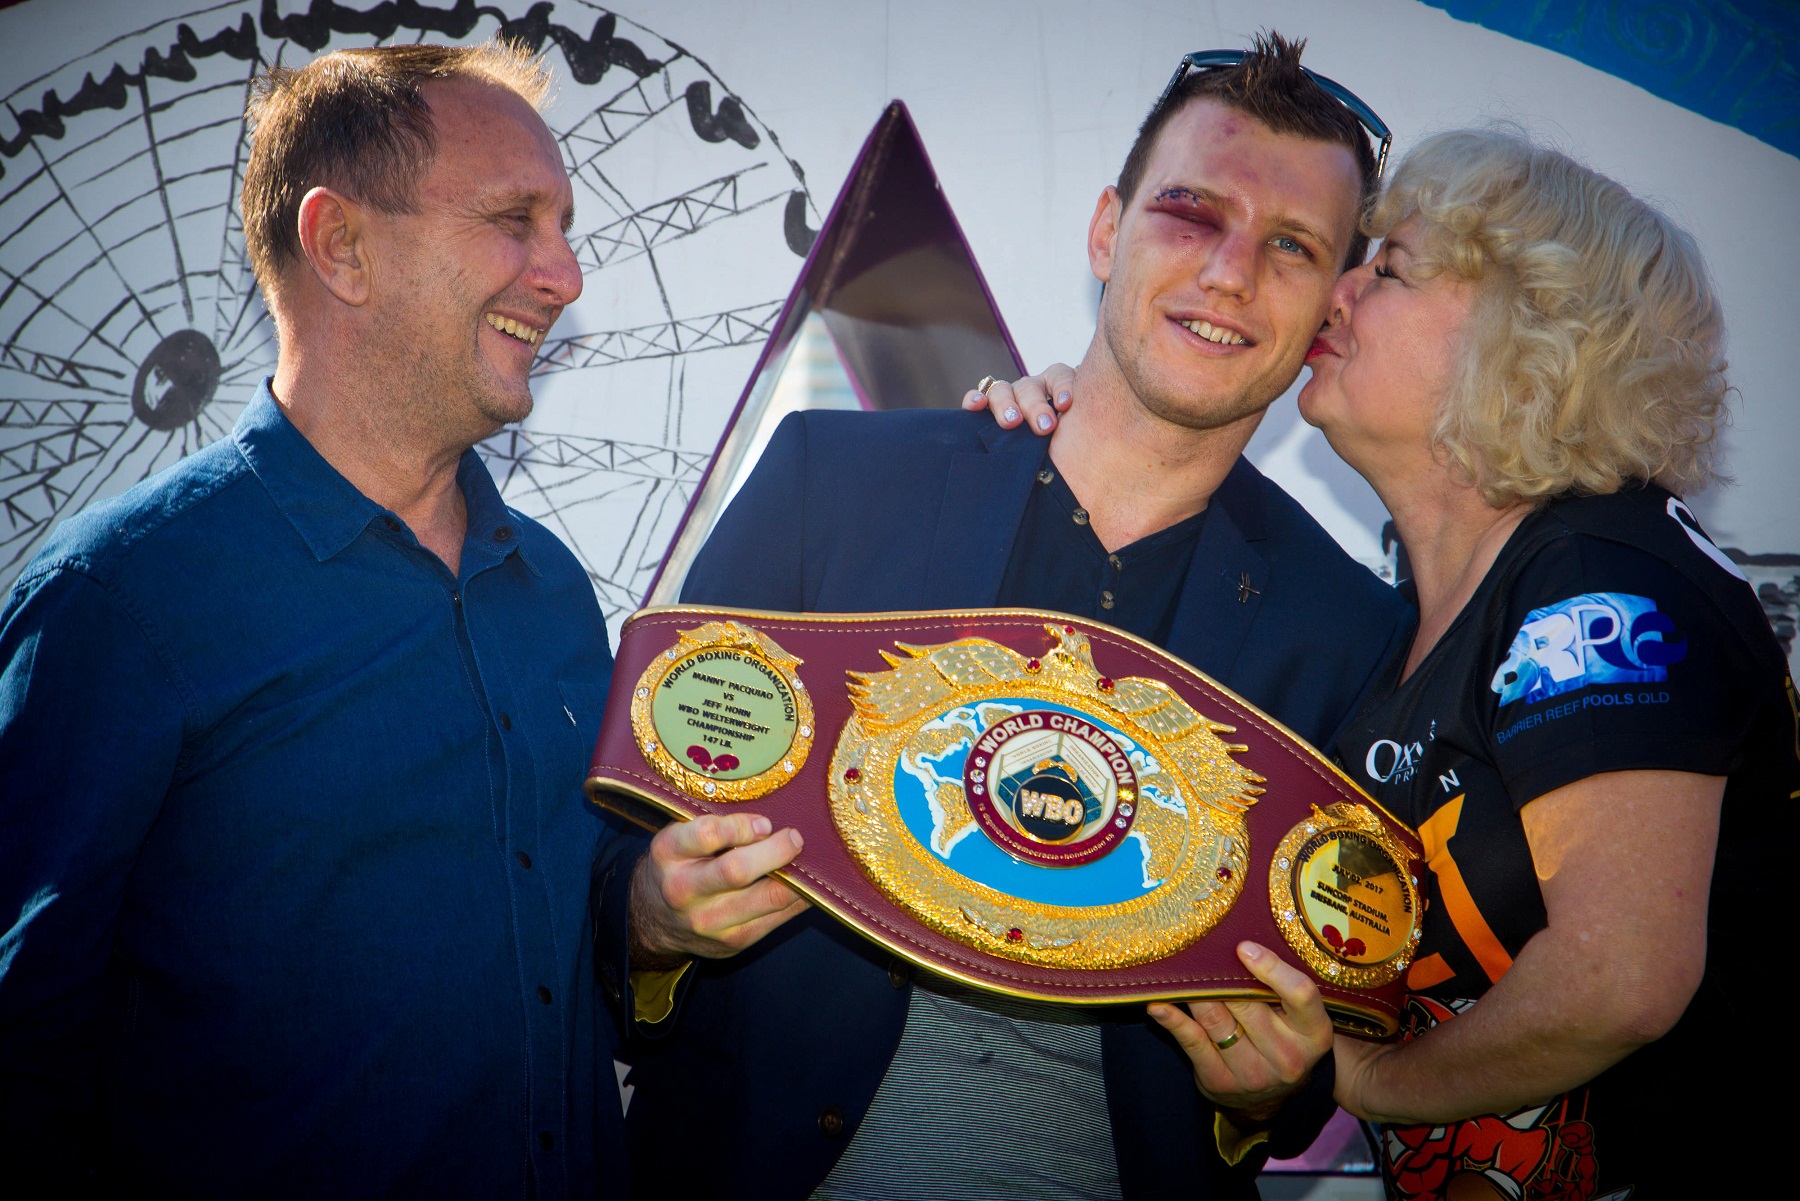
x=994 y=1054
x=1058 y=563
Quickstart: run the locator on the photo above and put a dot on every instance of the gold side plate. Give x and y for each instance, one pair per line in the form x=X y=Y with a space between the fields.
x=1345 y=897
x=723 y=715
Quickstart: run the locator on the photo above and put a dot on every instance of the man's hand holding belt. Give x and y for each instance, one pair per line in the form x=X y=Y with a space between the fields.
x=703 y=889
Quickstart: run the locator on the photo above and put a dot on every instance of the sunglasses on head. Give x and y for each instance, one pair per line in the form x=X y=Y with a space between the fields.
x=1204 y=60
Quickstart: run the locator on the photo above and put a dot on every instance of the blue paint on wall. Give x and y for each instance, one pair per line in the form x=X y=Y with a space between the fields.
x=1736 y=61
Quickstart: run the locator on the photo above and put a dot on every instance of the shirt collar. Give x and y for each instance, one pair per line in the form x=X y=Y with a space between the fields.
x=327 y=510
x=1239 y=493
x=1057 y=489
x=494 y=529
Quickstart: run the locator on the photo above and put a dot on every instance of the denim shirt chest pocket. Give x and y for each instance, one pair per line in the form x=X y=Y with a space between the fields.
x=582 y=702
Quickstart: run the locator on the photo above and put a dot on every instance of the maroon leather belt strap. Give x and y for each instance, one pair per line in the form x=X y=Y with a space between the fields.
x=1033 y=804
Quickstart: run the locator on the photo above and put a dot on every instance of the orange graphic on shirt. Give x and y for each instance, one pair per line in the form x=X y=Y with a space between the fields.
x=1541 y=1153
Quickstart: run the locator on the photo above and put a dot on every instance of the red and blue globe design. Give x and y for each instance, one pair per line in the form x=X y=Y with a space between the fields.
x=1054 y=797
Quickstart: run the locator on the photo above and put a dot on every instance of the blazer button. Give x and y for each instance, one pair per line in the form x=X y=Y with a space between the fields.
x=831 y=1121
x=899 y=973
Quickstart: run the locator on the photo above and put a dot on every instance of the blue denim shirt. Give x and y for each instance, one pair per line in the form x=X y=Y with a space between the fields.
x=294 y=857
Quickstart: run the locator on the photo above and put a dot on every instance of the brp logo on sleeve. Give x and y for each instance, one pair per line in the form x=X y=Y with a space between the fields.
x=1595 y=638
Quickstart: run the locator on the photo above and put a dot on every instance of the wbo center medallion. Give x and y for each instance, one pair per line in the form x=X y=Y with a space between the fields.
x=1037 y=810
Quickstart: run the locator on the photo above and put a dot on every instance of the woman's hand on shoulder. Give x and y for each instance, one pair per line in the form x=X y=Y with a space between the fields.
x=1035 y=400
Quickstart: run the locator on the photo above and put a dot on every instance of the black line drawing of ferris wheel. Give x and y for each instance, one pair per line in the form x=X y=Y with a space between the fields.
x=131 y=332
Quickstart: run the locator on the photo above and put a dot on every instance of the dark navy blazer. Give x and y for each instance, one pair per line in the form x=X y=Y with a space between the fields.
x=775 y=1055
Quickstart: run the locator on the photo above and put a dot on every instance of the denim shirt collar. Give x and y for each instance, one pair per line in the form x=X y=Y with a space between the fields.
x=327 y=510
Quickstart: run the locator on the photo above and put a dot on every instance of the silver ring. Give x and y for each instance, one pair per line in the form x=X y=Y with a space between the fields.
x=1230 y=1040
x=987 y=381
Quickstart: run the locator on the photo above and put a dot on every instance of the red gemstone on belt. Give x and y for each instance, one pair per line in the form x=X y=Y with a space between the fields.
x=1224 y=873
x=852 y=774
x=1014 y=934
x=1033 y=665
x=1105 y=683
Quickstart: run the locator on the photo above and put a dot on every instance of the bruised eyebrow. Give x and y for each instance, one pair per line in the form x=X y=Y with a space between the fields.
x=1182 y=192
x=1285 y=223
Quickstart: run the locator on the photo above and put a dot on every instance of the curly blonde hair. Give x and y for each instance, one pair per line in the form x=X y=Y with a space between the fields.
x=1595 y=352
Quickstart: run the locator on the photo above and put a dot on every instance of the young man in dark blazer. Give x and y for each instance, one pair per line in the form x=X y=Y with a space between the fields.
x=813 y=1064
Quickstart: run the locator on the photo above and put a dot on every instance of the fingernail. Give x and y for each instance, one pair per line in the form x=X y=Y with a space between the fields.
x=1063 y=399
x=794 y=839
x=1250 y=950
x=1159 y=1012
x=1012 y=414
x=969 y=399
x=1043 y=421
x=762 y=826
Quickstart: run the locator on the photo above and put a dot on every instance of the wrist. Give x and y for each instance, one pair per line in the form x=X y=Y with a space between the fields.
x=649 y=959
x=649 y=950
x=1255 y=1117
x=1359 y=1082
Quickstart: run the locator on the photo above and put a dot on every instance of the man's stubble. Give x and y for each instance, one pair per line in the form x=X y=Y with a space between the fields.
x=441 y=387
x=1181 y=402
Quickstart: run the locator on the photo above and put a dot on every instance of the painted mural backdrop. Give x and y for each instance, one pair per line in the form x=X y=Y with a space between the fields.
x=131 y=332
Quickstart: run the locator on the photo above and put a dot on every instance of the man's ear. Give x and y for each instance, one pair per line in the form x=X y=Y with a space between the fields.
x=333 y=241
x=1103 y=233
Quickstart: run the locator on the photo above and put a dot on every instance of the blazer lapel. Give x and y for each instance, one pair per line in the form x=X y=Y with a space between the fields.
x=984 y=501
x=1225 y=581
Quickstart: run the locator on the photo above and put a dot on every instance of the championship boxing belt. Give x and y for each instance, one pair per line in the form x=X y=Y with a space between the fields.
x=1029 y=803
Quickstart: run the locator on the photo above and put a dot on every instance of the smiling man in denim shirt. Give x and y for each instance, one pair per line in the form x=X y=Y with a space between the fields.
x=294 y=860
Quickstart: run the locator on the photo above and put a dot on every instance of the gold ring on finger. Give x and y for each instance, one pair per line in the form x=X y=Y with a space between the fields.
x=987 y=381
x=1230 y=1040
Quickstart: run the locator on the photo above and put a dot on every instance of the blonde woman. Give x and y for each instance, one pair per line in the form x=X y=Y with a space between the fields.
x=1593 y=729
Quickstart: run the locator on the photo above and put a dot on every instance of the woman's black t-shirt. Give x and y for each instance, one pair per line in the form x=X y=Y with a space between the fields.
x=1611 y=634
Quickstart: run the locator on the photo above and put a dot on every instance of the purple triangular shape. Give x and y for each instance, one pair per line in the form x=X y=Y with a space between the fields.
x=892 y=277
